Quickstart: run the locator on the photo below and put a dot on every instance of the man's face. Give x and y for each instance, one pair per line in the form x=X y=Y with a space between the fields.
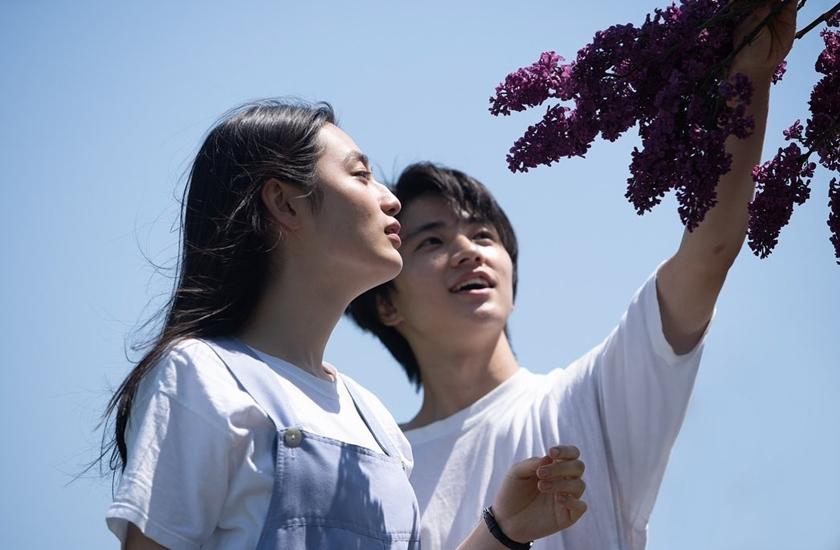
x=457 y=277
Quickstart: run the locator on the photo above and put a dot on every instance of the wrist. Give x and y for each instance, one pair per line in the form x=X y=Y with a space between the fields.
x=503 y=531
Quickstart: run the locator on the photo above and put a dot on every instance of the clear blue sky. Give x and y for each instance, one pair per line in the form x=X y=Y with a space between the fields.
x=102 y=105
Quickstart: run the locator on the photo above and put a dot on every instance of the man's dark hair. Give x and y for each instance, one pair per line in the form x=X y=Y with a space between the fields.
x=464 y=194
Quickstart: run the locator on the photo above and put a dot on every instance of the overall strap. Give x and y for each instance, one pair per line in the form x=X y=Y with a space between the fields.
x=370 y=419
x=253 y=375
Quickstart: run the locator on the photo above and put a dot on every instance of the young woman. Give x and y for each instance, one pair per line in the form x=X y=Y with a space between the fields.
x=232 y=432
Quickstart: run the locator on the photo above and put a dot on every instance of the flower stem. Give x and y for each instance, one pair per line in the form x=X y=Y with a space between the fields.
x=817 y=21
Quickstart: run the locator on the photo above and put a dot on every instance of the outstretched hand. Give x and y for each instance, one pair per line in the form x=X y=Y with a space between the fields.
x=541 y=496
x=771 y=44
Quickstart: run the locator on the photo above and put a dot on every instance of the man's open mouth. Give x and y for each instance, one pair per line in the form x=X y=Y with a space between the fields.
x=472 y=283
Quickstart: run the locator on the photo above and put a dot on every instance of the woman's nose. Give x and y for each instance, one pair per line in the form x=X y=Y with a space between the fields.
x=390 y=203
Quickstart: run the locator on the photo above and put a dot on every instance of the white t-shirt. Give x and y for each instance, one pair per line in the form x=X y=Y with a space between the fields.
x=200 y=465
x=622 y=404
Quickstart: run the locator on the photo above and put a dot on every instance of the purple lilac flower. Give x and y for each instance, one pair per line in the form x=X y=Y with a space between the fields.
x=781 y=184
x=668 y=77
x=794 y=131
x=780 y=181
x=530 y=86
x=822 y=132
x=834 y=215
x=656 y=76
x=780 y=71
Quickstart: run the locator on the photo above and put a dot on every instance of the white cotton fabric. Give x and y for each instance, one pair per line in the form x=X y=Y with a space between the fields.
x=200 y=468
x=622 y=404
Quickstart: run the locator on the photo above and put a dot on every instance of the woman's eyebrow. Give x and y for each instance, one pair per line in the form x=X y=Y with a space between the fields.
x=356 y=156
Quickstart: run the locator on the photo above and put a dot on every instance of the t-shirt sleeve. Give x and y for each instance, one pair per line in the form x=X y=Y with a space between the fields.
x=643 y=389
x=180 y=459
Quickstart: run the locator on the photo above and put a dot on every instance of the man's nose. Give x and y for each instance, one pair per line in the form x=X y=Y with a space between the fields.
x=466 y=250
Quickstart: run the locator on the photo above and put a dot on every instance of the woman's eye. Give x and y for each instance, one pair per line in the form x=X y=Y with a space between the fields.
x=363 y=174
x=485 y=235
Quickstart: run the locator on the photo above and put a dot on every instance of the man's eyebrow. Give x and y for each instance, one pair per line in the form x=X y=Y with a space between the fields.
x=425 y=227
x=357 y=156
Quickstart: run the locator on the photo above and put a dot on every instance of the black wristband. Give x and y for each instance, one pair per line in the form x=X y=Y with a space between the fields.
x=496 y=531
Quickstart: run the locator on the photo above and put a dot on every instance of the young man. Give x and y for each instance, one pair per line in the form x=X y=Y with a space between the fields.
x=444 y=317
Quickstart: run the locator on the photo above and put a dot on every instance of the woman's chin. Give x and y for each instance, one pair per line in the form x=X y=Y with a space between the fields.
x=394 y=267
x=391 y=266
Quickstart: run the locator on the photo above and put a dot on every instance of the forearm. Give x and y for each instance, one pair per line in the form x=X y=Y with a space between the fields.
x=688 y=284
x=481 y=539
x=713 y=246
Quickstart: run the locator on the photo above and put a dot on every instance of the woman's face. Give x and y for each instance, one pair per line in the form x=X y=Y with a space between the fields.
x=354 y=229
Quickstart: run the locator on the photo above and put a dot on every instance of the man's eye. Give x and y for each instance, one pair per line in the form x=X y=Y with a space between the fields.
x=363 y=174
x=485 y=235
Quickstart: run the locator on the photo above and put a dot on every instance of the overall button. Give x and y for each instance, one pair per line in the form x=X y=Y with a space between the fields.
x=293 y=437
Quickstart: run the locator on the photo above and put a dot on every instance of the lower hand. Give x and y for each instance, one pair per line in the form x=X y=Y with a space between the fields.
x=541 y=496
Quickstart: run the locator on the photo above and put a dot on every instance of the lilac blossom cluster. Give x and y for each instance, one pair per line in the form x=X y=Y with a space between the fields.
x=822 y=133
x=668 y=77
x=834 y=215
x=783 y=181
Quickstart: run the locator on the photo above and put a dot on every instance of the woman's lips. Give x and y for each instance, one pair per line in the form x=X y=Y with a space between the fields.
x=395 y=239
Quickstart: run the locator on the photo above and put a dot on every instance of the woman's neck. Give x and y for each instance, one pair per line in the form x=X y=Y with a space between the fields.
x=294 y=319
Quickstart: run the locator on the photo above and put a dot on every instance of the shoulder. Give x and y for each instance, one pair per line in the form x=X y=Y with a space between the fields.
x=573 y=388
x=636 y=338
x=191 y=377
x=186 y=361
x=190 y=359
x=198 y=448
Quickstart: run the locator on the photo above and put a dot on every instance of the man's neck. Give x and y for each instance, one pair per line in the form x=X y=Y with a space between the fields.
x=455 y=378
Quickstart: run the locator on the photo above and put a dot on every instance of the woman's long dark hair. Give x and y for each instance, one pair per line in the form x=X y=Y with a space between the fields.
x=226 y=237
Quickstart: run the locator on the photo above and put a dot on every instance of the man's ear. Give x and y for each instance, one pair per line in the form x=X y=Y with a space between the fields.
x=281 y=201
x=387 y=313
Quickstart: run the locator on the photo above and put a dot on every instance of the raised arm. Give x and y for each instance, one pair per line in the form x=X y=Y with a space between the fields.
x=688 y=284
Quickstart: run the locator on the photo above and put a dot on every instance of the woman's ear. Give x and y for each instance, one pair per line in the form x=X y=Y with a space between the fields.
x=387 y=313
x=279 y=200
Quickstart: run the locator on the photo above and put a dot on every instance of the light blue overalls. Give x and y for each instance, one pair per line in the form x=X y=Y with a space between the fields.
x=327 y=493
